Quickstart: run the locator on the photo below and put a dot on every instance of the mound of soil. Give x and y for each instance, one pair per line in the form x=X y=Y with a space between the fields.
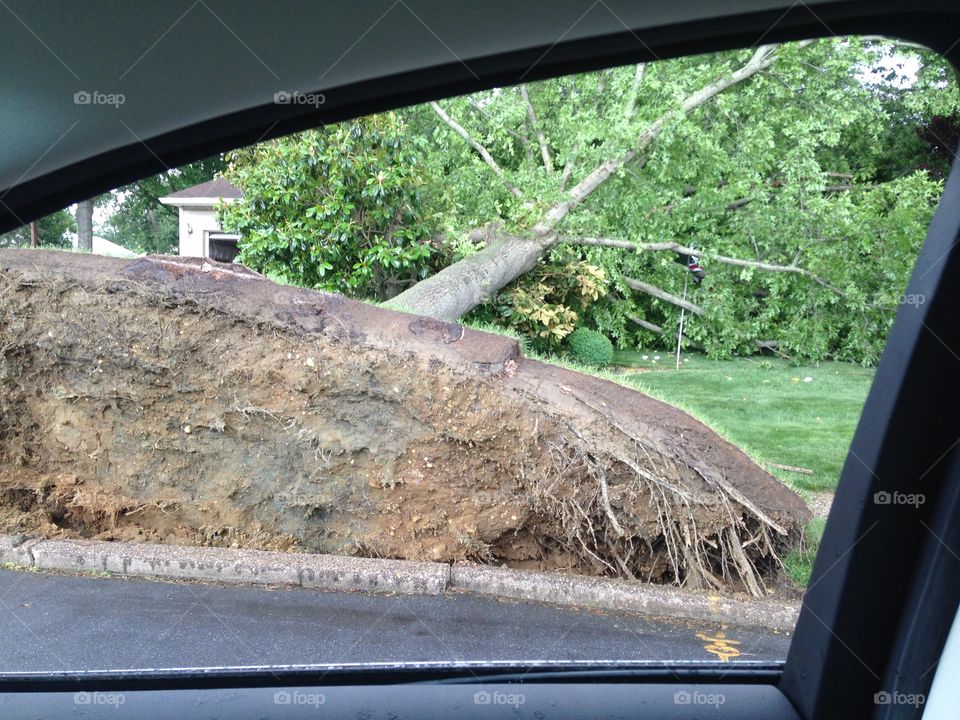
x=179 y=400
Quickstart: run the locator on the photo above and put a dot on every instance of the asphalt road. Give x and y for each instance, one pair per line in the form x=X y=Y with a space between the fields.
x=59 y=622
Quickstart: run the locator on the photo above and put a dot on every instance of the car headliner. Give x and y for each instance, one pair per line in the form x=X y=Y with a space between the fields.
x=199 y=76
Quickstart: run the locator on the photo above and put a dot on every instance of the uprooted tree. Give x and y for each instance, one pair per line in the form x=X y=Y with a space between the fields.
x=178 y=400
x=791 y=170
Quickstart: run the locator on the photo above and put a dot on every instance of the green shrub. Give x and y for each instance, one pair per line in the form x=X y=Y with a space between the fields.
x=590 y=347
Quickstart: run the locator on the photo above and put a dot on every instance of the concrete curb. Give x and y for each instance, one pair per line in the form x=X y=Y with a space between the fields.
x=334 y=572
x=620 y=595
x=258 y=567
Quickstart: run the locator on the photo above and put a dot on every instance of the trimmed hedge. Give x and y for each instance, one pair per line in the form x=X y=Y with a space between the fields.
x=590 y=347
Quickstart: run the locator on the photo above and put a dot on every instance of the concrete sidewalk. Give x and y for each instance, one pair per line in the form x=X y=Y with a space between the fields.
x=341 y=573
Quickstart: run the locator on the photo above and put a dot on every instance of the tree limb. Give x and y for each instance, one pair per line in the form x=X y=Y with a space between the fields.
x=894 y=41
x=647 y=324
x=524 y=140
x=484 y=153
x=762 y=58
x=541 y=139
x=656 y=292
x=682 y=249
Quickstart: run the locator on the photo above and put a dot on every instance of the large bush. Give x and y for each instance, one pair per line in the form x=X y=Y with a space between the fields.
x=340 y=208
x=590 y=347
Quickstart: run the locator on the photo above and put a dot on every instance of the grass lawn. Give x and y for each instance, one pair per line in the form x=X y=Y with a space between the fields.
x=777 y=412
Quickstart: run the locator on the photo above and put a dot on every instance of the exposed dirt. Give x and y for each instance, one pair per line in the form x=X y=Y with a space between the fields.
x=165 y=401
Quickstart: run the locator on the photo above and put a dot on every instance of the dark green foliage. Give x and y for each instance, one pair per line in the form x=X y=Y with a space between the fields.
x=816 y=164
x=342 y=208
x=590 y=347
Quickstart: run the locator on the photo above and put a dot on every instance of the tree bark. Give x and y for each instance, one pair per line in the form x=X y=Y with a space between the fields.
x=632 y=97
x=684 y=250
x=646 y=324
x=460 y=287
x=85 y=225
x=34 y=235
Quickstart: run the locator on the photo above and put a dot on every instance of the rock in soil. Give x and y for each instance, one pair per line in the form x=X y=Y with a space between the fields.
x=171 y=399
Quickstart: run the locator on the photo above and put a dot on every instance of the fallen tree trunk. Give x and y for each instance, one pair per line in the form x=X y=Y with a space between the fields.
x=646 y=324
x=178 y=400
x=460 y=287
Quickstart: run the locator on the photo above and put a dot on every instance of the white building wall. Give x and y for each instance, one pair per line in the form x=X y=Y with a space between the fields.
x=195 y=224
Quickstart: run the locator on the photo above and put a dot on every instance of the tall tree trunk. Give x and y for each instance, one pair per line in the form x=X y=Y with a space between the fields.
x=460 y=287
x=34 y=235
x=85 y=225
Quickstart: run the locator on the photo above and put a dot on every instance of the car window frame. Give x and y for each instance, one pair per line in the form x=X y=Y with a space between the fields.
x=885 y=585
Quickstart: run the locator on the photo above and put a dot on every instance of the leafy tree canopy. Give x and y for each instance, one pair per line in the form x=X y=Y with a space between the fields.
x=805 y=184
x=52 y=231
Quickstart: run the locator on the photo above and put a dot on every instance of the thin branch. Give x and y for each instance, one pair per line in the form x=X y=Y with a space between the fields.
x=894 y=41
x=647 y=325
x=632 y=97
x=682 y=249
x=524 y=139
x=484 y=153
x=568 y=167
x=541 y=139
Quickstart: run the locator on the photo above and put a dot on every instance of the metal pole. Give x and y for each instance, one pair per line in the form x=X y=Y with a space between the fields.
x=683 y=310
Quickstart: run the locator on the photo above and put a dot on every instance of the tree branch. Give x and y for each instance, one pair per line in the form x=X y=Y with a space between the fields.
x=647 y=324
x=541 y=139
x=762 y=58
x=656 y=292
x=524 y=140
x=632 y=97
x=484 y=153
x=568 y=167
x=682 y=249
x=894 y=41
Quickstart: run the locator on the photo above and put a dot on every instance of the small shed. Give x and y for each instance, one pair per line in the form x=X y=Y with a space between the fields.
x=200 y=235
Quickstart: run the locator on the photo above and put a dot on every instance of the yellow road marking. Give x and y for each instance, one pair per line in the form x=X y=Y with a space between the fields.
x=718 y=644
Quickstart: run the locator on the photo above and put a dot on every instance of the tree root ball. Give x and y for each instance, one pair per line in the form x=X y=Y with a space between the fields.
x=179 y=400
